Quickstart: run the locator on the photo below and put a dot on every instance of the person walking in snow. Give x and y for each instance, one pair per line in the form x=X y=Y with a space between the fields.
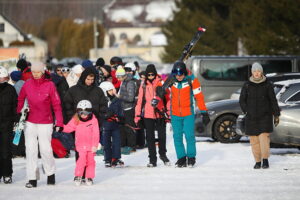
x=86 y=127
x=8 y=115
x=111 y=127
x=259 y=103
x=184 y=89
x=43 y=99
x=153 y=117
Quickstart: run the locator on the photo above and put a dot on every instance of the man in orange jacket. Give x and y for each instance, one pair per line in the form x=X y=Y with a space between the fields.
x=184 y=89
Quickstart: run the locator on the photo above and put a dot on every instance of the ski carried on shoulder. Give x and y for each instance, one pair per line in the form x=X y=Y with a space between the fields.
x=19 y=127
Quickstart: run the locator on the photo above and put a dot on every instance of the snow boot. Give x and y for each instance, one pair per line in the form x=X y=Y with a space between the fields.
x=51 y=180
x=77 y=180
x=117 y=162
x=191 y=162
x=151 y=164
x=265 y=164
x=31 y=184
x=181 y=162
x=165 y=160
x=89 y=182
x=107 y=163
x=7 y=179
x=257 y=165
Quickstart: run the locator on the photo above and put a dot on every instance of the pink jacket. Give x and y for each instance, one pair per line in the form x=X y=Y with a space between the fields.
x=150 y=89
x=42 y=97
x=87 y=133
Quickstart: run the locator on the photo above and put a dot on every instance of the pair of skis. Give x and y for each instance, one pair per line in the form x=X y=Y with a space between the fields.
x=19 y=127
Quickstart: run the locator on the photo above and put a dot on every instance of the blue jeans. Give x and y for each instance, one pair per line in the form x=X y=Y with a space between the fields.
x=112 y=144
x=184 y=125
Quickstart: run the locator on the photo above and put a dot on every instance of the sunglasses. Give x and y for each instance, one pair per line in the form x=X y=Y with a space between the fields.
x=150 y=74
x=127 y=69
x=65 y=69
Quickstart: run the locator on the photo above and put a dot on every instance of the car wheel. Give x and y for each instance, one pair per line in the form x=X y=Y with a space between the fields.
x=224 y=129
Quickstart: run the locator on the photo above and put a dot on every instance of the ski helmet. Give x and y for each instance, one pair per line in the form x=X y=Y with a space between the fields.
x=130 y=66
x=106 y=86
x=179 y=68
x=84 y=104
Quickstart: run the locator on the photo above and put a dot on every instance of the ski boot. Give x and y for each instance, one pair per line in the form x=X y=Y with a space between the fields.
x=165 y=160
x=257 y=165
x=31 y=184
x=77 y=180
x=107 y=163
x=117 y=162
x=89 y=182
x=51 y=180
x=151 y=164
x=7 y=179
x=181 y=162
x=265 y=164
x=191 y=162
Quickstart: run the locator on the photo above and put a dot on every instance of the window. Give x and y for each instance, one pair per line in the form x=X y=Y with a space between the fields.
x=278 y=66
x=2 y=28
x=123 y=36
x=295 y=97
x=227 y=70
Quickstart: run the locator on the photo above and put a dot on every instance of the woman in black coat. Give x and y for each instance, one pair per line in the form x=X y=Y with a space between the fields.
x=259 y=102
x=8 y=105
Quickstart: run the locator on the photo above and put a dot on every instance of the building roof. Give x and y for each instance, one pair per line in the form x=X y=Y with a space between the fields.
x=15 y=26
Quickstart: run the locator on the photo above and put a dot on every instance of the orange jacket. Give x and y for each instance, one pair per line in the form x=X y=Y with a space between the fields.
x=182 y=97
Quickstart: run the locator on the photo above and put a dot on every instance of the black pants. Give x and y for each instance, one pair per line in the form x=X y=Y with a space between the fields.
x=140 y=137
x=151 y=125
x=5 y=153
x=128 y=135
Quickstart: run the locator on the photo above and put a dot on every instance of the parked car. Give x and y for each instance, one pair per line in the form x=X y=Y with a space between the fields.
x=224 y=113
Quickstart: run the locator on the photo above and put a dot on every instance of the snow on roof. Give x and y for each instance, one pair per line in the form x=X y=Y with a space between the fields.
x=122 y=15
x=158 y=39
x=160 y=10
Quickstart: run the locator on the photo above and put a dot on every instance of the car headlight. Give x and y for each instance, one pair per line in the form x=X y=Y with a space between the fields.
x=211 y=112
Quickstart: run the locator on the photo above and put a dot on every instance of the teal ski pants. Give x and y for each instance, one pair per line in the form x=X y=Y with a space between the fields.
x=184 y=125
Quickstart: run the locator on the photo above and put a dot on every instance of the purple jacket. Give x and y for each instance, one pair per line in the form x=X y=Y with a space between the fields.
x=42 y=97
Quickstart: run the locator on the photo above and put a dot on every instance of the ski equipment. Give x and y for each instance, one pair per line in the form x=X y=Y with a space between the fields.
x=19 y=127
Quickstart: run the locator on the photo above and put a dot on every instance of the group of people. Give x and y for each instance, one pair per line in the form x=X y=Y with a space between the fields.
x=112 y=105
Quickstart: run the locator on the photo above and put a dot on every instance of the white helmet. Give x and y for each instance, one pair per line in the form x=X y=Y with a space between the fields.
x=84 y=104
x=106 y=86
x=131 y=66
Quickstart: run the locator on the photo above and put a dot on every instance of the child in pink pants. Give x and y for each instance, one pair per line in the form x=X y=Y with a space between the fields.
x=86 y=128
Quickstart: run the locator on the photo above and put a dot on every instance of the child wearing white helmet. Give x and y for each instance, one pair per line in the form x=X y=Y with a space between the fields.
x=111 y=127
x=86 y=128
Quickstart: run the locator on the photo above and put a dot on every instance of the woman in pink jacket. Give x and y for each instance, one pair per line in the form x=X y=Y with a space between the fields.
x=86 y=128
x=42 y=98
x=153 y=116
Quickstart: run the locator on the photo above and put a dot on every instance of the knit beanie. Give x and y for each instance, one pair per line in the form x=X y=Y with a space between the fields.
x=37 y=67
x=116 y=60
x=16 y=75
x=3 y=72
x=87 y=63
x=151 y=69
x=256 y=67
x=100 y=62
x=107 y=68
x=77 y=69
x=120 y=71
x=22 y=64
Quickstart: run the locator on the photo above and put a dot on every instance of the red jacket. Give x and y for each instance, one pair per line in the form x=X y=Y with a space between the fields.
x=42 y=97
x=26 y=74
x=115 y=81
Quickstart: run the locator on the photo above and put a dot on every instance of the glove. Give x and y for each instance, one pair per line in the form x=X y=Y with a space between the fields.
x=109 y=114
x=154 y=102
x=58 y=129
x=113 y=118
x=276 y=121
x=160 y=92
x=205 y=118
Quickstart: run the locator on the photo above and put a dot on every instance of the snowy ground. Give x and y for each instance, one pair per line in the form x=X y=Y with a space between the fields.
x=223 y=171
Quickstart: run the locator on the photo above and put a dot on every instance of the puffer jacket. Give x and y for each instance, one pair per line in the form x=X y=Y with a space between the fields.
x=115 y=106
x=150 y=92
x=86 y=133
x=42 y=97
x=127 y=93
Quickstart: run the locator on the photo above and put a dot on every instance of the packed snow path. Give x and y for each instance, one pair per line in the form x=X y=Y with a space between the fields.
x=223 y=171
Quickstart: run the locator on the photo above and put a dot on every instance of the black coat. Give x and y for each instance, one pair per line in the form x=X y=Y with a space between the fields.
x=80 y=91
x=116 y=108
x=259 y=102
x=8 y=105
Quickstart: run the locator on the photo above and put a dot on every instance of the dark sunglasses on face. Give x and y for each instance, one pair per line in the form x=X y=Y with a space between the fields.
x=84 y=112
x=177 y=72
x=127 y=69
x=150 y=74
x=65 y=69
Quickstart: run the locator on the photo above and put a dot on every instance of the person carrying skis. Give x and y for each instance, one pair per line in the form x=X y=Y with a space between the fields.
x=111 y=127
x=86 y=127
x=153 y=117
x=43 y=99
x=8 y=115
x=184 y=89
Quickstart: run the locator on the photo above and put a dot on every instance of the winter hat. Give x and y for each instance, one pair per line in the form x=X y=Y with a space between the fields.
x=16 y=75
x=107 y=68
x=87 y=63
x=116 y=60
x=77 y=69
x=22 y=64
x=151 y=69
x=100 y=62
x=3 y=72
x=131 y=66
x=38 y=67
x=256 y=67
x=120 y=71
